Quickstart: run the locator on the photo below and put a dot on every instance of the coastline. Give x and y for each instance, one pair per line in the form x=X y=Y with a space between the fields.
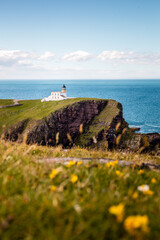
x=139 y=98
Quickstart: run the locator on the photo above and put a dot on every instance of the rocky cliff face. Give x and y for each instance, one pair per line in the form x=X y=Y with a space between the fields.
x=64 y=126
x=89 y=123
x=153 y=142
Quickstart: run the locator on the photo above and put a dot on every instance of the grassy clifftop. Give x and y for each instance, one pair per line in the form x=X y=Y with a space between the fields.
x=31 y=109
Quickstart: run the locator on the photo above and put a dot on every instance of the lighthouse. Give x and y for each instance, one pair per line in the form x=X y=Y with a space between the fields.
x=55 y=96
x=64 y=91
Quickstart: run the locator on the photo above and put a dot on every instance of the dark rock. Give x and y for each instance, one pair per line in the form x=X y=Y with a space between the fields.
x=14 y=131
x=135 y=129
x=153 y=142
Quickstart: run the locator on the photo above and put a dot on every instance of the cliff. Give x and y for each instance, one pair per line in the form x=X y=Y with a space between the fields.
x=84 y=122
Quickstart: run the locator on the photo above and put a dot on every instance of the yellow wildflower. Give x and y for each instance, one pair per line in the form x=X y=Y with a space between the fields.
x=79 y=163
x=145 y=190
x=134 y=224
x=112 y=164
x=118 y=173
x=118 y=211
x=135 y=195
x=71 y=163
x=140 y=171
x=153 y=180
x=53 y=188
x=149 y=192
x=108 y=164
x=74 y=178
x=53 y=173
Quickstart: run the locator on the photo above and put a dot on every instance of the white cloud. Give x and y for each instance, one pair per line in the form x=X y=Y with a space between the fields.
x=26 y=63
x=77 y=56
x=47 y=56
x=12 y=57
x=129 y=57
x=15 y=54
x=22 y=58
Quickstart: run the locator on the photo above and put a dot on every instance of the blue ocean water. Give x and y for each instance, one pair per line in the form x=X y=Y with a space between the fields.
x=140 y=98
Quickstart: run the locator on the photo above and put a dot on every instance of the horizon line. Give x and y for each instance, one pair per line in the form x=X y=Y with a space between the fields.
x=89 y=79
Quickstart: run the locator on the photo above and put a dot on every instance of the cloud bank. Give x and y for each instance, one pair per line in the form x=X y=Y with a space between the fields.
x=129 y=57
x=18 y=57
x=78 y=64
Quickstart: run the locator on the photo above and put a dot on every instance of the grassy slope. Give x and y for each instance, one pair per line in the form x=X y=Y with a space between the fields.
x=29 y=209
x=6 y=102
x=32 y=109
x=99 y=122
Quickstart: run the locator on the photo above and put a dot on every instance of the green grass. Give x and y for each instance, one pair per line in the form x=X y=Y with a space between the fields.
x=33 y=110
x=6 y=102
x=29 y=209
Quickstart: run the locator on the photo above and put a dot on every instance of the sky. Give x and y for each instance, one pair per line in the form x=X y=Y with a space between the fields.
x=79 y=39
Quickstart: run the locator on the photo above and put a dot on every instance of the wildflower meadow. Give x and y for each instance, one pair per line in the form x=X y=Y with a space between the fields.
x=75 y=200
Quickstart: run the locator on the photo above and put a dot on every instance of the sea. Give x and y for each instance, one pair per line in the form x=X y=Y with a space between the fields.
x=140 y=98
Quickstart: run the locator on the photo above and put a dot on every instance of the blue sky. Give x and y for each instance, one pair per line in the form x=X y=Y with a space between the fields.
x=71 y=39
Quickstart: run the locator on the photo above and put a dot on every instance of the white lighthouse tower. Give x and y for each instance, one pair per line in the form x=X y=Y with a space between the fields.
x=64 y=91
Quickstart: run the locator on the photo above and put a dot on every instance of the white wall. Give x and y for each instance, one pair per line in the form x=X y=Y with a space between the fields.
x=55 y=95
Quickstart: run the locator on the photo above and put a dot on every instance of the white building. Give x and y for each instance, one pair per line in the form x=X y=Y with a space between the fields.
x=56 y=96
